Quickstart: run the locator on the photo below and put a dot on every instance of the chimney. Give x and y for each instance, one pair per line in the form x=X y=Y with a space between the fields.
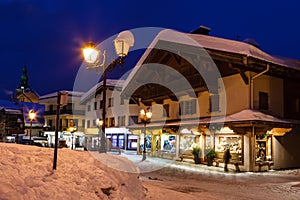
x=203 y=30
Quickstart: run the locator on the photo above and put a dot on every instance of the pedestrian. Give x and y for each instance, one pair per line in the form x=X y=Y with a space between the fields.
x=226 y=158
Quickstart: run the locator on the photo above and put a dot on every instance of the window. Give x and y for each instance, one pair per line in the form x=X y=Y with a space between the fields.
x=166 y=111
x=110 y=102
x=75 y=122
x=187 y=107
x=66 y=122
x=83 y=123
x=297 y=105
x=94 y=123
x=51 y=108
x=263 y=101
x=50 y=122
x=214 y=103
x=95 y=105
x=132 y=101
x=101 y=104
x=89 y=108
x=121 y=120
x=121 y=101
x=88 y=125
x=112 y=121
x=132 y=120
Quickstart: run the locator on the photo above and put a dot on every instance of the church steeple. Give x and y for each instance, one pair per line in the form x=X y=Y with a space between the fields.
x=24 y=92
x=24 y=79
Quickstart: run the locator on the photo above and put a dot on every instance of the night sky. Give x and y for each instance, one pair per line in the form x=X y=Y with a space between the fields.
x=47 y=35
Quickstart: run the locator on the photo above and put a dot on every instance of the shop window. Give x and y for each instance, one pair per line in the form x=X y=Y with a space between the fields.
x=214 y=103
x=148 y=142
x=166 y=111
x=132 y=142
x=263 y=101
x=263 y=148
x=121 y=141
x=114 y=141
x=167 y=143
x=186 y=142
x=234 y=142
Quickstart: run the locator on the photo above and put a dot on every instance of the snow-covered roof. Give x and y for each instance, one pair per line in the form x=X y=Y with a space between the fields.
x=109 y=83
x=242 y=116
x=54 y=94
x=238 y=47
x=212 y=43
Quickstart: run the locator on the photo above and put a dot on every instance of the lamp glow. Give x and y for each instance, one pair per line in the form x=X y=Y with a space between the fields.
x=90 y=53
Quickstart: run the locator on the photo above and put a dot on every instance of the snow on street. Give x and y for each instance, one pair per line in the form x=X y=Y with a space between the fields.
x=26 y=173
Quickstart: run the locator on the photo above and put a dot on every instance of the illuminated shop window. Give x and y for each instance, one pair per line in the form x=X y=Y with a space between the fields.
x=234 y=142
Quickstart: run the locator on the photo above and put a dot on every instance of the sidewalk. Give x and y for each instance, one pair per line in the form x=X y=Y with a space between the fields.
x=154 y=163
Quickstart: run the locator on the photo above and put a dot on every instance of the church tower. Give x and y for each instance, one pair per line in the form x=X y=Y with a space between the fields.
x=24 y=93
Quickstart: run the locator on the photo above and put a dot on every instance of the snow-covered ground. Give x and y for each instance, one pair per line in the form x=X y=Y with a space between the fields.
x=26 y=173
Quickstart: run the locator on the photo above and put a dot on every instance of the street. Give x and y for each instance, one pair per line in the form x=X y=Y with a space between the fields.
x=182 y=180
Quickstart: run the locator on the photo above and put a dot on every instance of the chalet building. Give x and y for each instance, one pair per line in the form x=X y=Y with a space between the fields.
x=71 y=115
x=120 y=113
x=15 y=125
x=11 y=121
x=216 y=93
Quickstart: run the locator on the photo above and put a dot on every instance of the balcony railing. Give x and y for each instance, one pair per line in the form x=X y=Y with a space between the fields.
x=70 y=112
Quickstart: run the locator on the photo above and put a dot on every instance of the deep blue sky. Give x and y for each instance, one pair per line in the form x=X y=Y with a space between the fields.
x=47 y=35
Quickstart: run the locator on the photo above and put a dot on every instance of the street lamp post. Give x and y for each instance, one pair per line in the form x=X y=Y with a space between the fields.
x=31 y=115
x=92 y=57
x=99 y=125
x=145 y=118
x=72 y=130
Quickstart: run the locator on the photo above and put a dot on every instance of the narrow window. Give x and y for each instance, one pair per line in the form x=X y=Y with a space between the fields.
x=214 y=103
x=263 y=101
x=166 y=111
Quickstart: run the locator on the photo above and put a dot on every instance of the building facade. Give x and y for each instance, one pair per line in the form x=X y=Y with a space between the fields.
x=120 y=113
x=71 y=115
x=249 y=106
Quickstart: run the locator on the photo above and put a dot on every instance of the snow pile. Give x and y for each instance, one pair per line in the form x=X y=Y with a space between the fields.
x=26 y=173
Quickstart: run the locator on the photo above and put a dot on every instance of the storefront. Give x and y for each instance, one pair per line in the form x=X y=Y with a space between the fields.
x=132 y=141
